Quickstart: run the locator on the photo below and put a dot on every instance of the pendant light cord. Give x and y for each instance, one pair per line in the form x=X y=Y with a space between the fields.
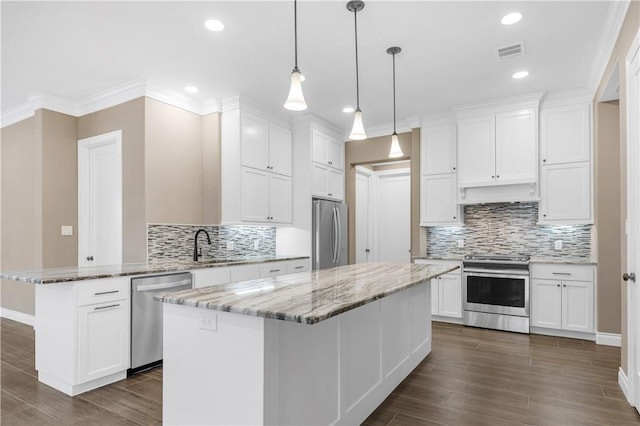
x=394 y=93
x=295 y=31
x=355 y=21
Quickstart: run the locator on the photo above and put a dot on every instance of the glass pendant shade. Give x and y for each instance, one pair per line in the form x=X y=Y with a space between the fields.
x=395 y=150
x=295 y=100
x=357 y=131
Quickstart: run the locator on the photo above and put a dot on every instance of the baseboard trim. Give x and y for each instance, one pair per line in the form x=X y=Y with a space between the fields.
x=562 y=333
x=609 y=339
x=20 y=317
x=623 y=382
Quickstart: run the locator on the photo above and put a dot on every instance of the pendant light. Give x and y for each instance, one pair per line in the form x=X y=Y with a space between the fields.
x=295 y=100
x=357 y=131
x=395 y=150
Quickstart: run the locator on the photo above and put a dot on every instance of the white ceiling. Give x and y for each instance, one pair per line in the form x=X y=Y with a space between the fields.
x=75 y=50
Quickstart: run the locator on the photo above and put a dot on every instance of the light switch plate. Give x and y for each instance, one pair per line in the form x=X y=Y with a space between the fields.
x=557 y=244
x=66 y=230
x=460 y=243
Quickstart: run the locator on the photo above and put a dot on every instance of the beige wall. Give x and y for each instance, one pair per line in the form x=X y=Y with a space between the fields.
x=376 y=150
x=21 y=209
x=605 y=177
x=129 y=117
x=173 y=164
x=211 y=180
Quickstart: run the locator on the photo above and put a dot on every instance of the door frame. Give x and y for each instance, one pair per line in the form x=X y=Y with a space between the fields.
x=631 y=383
x=84 y=150
x=371 y=216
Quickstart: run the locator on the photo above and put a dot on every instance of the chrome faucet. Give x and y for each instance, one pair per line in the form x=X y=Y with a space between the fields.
x=196 y=253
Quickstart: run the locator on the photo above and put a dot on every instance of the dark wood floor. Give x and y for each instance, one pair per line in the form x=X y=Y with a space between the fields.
x=472 y=377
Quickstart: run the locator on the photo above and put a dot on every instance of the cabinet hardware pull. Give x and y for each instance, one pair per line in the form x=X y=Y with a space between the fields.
x=492 y=177
x=564 y=285
x=557 y=285
x=544 y=215
x=106 y=292
x=454 y=168
x=497 y=176
x=299 y=267
x=544 y=160
x=274 y=270
x=454 y=217
x=90 y=258
x=106 y=307
x=330 y=195
x=561 y=273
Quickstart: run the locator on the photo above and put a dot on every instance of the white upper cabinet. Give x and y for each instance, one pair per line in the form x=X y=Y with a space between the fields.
x=566 y=193
x=438 y=200
x=498 y=149
x=476 y=151
x=327 y=150
x=438 y=149
x=565 y=136
x=266 y=197
x=265 y=146
x=279 y=198
x=516 y=146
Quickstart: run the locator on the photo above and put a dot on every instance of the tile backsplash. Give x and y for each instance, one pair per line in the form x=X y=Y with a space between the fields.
x=508 y=228
x=175 y=242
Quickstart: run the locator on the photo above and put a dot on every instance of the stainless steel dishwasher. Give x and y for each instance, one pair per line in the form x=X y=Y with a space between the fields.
x=146 y=317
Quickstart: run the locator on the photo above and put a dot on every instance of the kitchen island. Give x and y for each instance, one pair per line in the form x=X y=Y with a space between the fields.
x=322 y=347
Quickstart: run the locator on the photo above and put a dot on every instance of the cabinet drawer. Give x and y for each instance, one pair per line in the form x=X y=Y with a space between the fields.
x=273 y=269
x=210 y=276
x=106 y=290
x=563 y=272
x=245 y=272
x=298 y=266
x=441 y=262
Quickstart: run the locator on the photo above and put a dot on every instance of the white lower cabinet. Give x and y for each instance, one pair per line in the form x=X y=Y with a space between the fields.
x=562 y=297
x=446 y=292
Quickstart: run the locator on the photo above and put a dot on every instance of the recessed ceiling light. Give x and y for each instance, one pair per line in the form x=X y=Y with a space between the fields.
x=520 y=74
x=214 y=25
x=191 y=89
x=511 y=18
x=348 y=110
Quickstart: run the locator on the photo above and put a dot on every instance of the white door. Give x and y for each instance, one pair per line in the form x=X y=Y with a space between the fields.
x=577 y=306
x=476 y=150
x=394 y=217
x=564 y=134
x=254 y=141
x=438 y=199
x=279 y=150
x=438 y=149
x=546 y=303
x=100 y=200
x=335 y=150
x=566 y=192
x=633 y=218
x=450 y=295
x=335 y=184
x=363 y=249
x=279 y=198
x=255 y=195
x=516 y=146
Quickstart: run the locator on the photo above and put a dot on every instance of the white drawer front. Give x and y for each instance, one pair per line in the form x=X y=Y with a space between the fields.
x=211 y=276
x=442 y=263
x=551 y=271
x=105 y=290
x=273 y=269
x=245 y=272
x=294 y=266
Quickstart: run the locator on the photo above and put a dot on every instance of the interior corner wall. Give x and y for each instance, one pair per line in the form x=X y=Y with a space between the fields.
x=173 y=164
x=418 y=244
x=128 y=117
x=211 y=179
x=372 y=150
x=21 y=209
x=628 y=31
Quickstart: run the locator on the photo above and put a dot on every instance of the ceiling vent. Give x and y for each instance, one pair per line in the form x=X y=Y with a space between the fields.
x=511 y=51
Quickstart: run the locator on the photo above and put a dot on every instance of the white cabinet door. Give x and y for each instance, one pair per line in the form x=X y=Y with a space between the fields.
x=435 y=299
x=564 y=134
x=319 y=180
x=577 y=306
x=254 y=134
x=279 y=150
x=279 y=198
x=335 y=152
x=244 y=272
x=438 y=149
x=546 y=303
x=565 y=192
x=476 y=156
x=516 y=147
x=255 y=195
x=319 y=147
x=335 y=180
x=438 y=199
x=206 y=277
x=450 y=295
x=103 y=340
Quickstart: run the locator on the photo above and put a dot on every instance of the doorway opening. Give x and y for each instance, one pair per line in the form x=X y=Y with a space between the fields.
x=383 y=212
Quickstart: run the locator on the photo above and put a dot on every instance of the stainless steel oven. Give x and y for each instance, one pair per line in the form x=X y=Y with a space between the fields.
x=496 y=292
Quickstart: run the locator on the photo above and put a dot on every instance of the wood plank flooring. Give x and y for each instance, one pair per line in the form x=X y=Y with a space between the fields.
x=472 y=377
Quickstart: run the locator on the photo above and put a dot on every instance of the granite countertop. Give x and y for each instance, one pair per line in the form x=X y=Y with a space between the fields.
x=534 y=259
x=60 y=275
x=455 y=257
x=309 y=297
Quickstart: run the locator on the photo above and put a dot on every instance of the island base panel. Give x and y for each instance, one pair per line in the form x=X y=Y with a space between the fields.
x=224 y=368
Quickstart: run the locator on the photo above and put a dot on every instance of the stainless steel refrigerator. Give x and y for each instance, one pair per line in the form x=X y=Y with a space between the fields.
x=329 y=234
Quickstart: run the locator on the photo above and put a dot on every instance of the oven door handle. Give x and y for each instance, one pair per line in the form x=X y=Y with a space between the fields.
x=493 y=274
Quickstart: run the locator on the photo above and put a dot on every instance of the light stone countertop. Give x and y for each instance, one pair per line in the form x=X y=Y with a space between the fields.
x=60 y=275
x=309 y=297
x=534 y=259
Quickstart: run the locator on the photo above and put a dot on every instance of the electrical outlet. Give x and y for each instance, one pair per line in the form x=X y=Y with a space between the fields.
x=231 y=245
x=66 y=230
x=210 y=324
x=256 y=244
x=557 y=244
x=460 y=243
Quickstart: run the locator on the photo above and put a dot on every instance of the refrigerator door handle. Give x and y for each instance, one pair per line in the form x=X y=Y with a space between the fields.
x=316 y=227
x=339 y=235
x=335 y=235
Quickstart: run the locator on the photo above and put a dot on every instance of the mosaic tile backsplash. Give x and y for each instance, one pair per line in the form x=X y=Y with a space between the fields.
x=507 y=228
x=175 y=242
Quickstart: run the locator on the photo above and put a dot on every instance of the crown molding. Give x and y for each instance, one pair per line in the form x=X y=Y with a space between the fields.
x=611 y=29
x=527 y=100
x=103 y=100
x=566 y=97
x=386 y=129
